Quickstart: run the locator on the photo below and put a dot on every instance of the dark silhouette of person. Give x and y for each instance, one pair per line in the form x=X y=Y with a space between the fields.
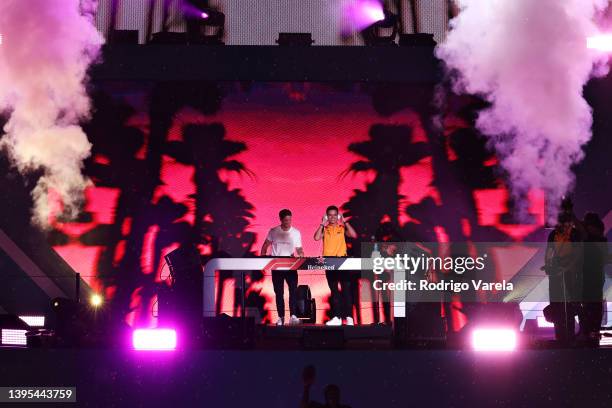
x=563 y=265
x=331 y=392
x=388 y=236
x=593 y=278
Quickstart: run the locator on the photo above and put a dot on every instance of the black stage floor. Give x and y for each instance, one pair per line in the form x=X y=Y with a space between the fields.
x=350 y=332
x=318 y=337
x=432 y=378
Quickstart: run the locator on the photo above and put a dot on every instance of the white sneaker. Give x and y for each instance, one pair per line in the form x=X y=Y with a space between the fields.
x=294 y=320
x=349 y=321
x=336 y=321
x=279 y=322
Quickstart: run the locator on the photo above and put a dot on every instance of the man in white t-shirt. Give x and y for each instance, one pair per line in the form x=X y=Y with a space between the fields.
x=284 y=241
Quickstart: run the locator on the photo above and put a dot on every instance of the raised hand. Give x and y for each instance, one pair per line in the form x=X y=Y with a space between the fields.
x=308 y=375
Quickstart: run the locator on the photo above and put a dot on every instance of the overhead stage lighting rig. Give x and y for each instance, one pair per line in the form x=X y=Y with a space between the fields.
x=205 y=25
x=382 y=32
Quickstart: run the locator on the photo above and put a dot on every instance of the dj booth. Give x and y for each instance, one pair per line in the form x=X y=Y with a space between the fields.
x=267 y=265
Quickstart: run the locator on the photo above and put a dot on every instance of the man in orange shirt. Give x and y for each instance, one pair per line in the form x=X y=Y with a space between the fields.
x=332 y=231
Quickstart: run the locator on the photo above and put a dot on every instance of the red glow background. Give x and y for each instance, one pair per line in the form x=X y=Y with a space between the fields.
x=297 y=138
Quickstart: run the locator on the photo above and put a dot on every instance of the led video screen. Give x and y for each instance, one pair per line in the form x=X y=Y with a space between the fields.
x=218 y=161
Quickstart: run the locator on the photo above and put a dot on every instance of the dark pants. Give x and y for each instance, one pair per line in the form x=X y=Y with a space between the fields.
x=341 y=300
x=381 y=297
x=278 y=281
x=590 y=317
x=562 y=294
x=565 y=321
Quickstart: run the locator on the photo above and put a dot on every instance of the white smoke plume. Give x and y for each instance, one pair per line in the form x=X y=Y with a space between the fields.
x=529 y=59
x=47 y=47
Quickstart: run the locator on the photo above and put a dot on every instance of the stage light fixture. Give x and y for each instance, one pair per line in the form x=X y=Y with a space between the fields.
x=491 y=339
x=13 y=330
x=96 y=300
x=601 y=42
x=154 y=339
x=213 y=18
x=13 y=337
x=359 y=14
x=34 y=321
x=204 y=26
x=383 y=32
x=295 y=39
x=373 y=11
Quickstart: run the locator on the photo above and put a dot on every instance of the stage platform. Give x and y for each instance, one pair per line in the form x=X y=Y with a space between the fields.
x=320 y=336
x=372 y=331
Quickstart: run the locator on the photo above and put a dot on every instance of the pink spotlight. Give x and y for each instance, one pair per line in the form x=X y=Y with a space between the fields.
x=154 y=339
x=360 y=14
x=494 y=340
x=204 y=15
x=601 y=42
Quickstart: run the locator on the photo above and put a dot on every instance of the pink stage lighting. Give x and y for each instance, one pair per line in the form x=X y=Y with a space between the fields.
x=600 y=42
x=204 y=15
x=361 y=14
x=494 y=340
x=12 y=337
x=154 y=339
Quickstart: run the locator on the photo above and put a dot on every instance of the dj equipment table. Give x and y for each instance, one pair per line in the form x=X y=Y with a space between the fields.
x=287 y=263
